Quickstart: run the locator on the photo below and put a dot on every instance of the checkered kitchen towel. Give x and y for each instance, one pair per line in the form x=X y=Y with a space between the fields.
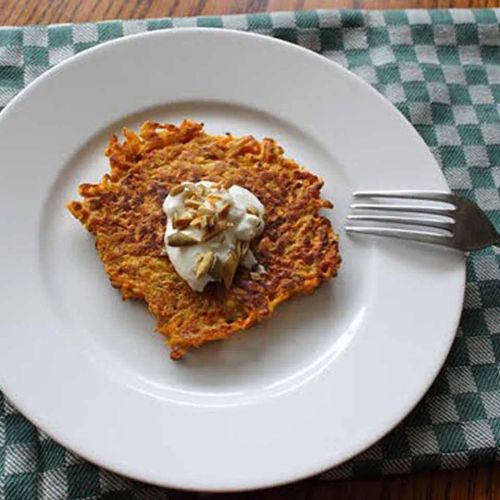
x=442 y=71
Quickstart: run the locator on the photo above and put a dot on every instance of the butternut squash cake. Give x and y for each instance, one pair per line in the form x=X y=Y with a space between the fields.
x=212 y=232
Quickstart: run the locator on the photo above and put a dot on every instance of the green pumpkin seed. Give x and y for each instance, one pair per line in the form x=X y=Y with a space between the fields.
x=181 y=240
x=229 y=269
x=204 y=264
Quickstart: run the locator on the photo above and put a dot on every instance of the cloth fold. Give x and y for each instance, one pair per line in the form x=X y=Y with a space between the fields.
x=441 y=69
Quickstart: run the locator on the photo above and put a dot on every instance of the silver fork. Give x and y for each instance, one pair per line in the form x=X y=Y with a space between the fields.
x=460 y=223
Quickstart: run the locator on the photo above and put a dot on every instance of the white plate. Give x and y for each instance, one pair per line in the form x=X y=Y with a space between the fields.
x=319 y=382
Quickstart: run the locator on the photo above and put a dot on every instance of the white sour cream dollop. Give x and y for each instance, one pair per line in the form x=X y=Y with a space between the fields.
x=245 y=220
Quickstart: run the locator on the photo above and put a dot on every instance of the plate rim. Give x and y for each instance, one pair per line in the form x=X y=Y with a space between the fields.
x=88 y=53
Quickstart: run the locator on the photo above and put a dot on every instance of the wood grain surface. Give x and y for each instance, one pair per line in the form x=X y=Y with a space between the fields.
x=21 y=12
x=480 y=483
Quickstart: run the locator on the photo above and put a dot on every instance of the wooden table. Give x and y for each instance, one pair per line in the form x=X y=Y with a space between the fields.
x=481 y=483
x=19 y=12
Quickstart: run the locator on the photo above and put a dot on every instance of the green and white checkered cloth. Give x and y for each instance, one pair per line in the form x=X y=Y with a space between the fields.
x=441 y=69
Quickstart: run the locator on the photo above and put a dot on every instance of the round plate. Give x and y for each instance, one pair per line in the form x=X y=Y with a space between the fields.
x=323 y=379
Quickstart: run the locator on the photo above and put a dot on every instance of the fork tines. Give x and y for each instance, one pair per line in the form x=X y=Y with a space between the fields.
x=441 y=227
